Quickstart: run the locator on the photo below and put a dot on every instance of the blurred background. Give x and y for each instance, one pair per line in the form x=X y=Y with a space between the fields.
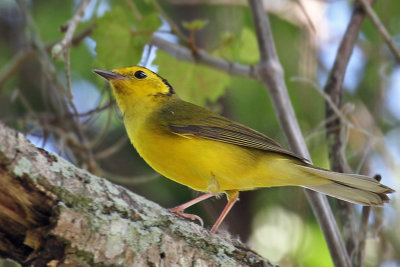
x=62 y=106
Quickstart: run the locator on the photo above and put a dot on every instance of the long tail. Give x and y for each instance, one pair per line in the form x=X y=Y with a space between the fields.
x=354 y=188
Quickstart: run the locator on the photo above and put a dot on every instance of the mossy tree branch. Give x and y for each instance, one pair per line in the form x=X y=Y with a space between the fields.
x=53 y=213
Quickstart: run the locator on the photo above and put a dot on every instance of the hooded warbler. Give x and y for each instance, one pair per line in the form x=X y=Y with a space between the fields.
x=209 y=153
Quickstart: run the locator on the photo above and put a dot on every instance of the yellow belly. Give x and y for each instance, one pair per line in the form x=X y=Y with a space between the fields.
x=201 y=164
x=212 y=166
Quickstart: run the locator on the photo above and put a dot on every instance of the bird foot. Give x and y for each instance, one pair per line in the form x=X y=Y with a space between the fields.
x=179 y=211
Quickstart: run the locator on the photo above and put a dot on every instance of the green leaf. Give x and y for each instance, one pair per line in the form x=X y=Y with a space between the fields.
x=194 y=83
x=121 y=37
x=49 y=16
x=247 y=51
x=195 y=25
x=241 y=49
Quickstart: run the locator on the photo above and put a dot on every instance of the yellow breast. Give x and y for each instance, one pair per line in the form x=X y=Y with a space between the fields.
x=201 y=164
x=210 y=166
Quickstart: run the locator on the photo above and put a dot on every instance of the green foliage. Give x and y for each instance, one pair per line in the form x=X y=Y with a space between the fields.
x=194 y=25
x=49 y=16
x=194 y=83
x=249 y=103
x=121 y=37
x=82 y=61
x=241 y=49
x=388 y=12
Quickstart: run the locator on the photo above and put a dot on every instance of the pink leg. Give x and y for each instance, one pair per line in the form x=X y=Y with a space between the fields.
x=233 y=196
x=179 y=209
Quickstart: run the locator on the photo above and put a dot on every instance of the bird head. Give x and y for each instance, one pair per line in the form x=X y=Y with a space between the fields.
x=137 y=86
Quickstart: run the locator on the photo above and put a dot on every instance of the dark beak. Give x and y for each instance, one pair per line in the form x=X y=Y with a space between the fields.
x=109 y=75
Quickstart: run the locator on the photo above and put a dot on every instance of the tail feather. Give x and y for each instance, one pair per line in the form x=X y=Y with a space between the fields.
x=354 y=188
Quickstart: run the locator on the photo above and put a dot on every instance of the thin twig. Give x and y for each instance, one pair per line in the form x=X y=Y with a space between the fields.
x=51 y=118
x=271 y=74
x=18 y=59
x=48 y=69
x=202 y=57
x=103 y=132
x=25 y=103
x=334 y=133
x=105 y=153
x=306 y=15
x=337 y=113
x=63 y=47
x=67 y=68
x=96 y=110
x=365 y=153
x=359 y=259
x=135 y=11
x=76 y=40
x=175 y=28
x=381 y=28
x=14 y=65
x=319 y=129
x=128 y=180
x=54 y=92
x=71 y=25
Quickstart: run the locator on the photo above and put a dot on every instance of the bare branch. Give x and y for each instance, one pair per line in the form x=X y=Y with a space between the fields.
x=96 y=110
x=55 y=93
x=381 y=28
x=70 y=26
x=77 y=39
x=202 y=57
x=63 y=47
x=175 y=28
x=271 y=74
x=359 y=259
x=335 y=128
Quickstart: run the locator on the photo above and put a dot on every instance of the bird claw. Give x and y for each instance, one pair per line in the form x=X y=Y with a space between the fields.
x=192 y=217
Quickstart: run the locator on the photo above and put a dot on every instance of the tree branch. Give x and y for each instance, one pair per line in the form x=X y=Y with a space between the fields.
x=334 y=128
x=183 y=53
x=13 y=65
x=70 y=28
x=381 y=28
x=53 y=213
x=54 y=93
x=271 y=74
x=359 y=259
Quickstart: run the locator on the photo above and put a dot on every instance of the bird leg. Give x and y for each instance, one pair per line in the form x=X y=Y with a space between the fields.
x=233 y=196
x=178 y=210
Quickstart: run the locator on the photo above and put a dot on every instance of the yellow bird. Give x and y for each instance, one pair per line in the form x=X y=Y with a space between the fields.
x=210 y=153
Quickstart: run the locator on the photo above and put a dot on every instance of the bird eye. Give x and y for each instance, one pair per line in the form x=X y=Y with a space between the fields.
x=140 y=74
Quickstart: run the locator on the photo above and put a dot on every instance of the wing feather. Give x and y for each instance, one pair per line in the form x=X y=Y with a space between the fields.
x=190 y=120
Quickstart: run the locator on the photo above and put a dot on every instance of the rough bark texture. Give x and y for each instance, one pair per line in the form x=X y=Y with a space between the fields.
x=54 y=214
